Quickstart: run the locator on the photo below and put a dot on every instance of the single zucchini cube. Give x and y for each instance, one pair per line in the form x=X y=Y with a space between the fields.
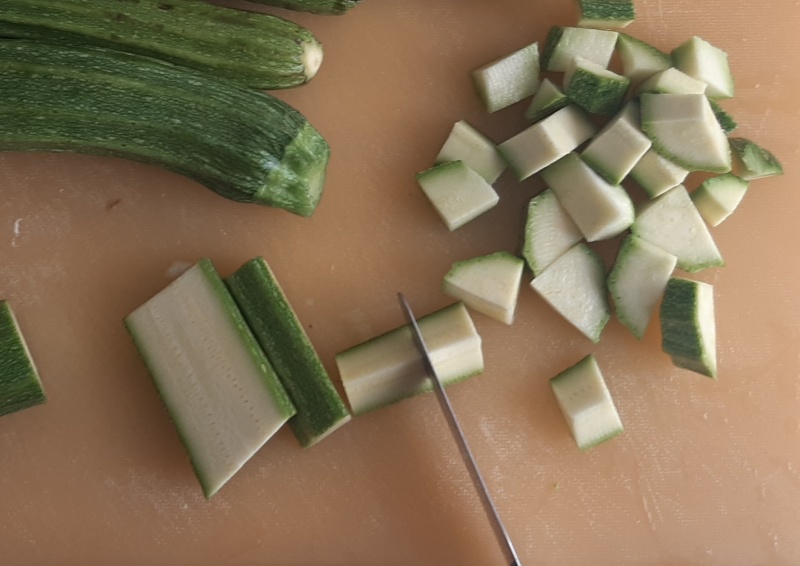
x=639 y=59
x=672 y=223
x=619 y=146
x=488 y=284
x=606 y=13
x=688 y=326
x=593 y=87
x=575 y=286
x=548 y=99
x=586 y=403
x=565 y=43
x=718 y=197
x=751 y=161
x=549 y=232
x=672 y=81
x=701 y=60
x=20 y=384
x=547 y=141
x=478 y=152
x=656 y=175
x=458 y=193
x=599 y=209
x=509 y=79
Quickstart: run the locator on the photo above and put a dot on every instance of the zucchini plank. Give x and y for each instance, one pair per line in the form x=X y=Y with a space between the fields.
x=243 y=144
x=259 y=50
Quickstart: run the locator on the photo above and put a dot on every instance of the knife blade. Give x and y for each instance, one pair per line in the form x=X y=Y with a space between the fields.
x=500 y=532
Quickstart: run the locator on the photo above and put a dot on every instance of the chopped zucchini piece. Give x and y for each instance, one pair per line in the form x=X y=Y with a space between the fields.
x=509 y=79
x=685 y=130
x=586 y=403
x=593 y=87
x=213 y=377
x=619 y=146
x=751 y=161
x=718 y=197
x=672 y=81
x=637 y=282
x=548 y=99
x=547 y=141
x=388 y=368
x=20 y=384
x=672 y=223
x=488 y=284
x=640 y=60
x=458 y=193
x=656 y=174
x=478 y=152
x=606 y=13
x=575 y=286
x=549 y=231
x=701 y=60
x=599 y=209
x=564 y=43
x=320 y=409
x=688 y=326
x=726 y=121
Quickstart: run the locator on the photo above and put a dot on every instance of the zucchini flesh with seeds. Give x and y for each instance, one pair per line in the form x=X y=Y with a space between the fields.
x=327 y=7
x=259 y=50
x=320 y=409
x=242 y=144
x=213 y=377
x=20 y=385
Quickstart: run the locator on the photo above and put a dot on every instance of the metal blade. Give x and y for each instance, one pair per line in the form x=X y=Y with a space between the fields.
x=489 y=508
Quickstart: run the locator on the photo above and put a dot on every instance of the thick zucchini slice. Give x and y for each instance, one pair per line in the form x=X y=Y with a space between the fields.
x=258 y=50
x=244 y=145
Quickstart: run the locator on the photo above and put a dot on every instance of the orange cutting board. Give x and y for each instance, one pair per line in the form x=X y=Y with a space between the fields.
x=706 y=472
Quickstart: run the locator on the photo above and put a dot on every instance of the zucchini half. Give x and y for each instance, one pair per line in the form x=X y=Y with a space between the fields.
x=243 y=144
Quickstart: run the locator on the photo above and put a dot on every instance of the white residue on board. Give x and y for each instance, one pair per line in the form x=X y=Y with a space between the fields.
x=17 y=223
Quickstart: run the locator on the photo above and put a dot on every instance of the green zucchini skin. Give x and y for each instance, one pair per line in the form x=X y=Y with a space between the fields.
x=20 y=385
x=258 y=50
x=243 y=144
x=327 y=7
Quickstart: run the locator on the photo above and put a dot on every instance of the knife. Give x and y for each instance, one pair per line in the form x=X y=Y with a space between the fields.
x=489 y=508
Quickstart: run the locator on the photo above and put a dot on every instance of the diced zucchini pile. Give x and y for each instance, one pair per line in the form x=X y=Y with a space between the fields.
x=648 y=118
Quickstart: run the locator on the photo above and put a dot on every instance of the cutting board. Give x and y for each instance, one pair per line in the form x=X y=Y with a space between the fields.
x=706 y=472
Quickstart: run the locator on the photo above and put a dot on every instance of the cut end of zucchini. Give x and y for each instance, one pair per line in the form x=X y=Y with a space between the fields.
x=586 y=403
x=688 y=325
x=311 y=58
x=20 y=384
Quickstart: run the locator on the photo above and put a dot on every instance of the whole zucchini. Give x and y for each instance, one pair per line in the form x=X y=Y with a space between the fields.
x=245 y=145
x=259 y=50
x=330 y=7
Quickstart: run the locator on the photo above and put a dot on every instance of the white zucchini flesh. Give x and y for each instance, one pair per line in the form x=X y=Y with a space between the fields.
x=488 y=284
x=547 y=141
x=389 y=368
x=685 y=130
x=656 y=174
x=619 y=146
x=599 y=209
x=549 y=232
x=575 y=286
x=705 y=62
x=718 y=197
x=564 y=43
x=458 y=193
x=639 y=59
x=586 y=403
x=509 y=79
x=637 y=282
x=688 y=325
x=672 y=81
x=214 y=379
x=477 y=151
x=672 y=223
x=548 y=99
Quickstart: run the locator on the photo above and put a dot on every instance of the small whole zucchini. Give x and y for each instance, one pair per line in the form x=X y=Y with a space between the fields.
x=259 y=50
x=243 y=144
x=329 y=7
